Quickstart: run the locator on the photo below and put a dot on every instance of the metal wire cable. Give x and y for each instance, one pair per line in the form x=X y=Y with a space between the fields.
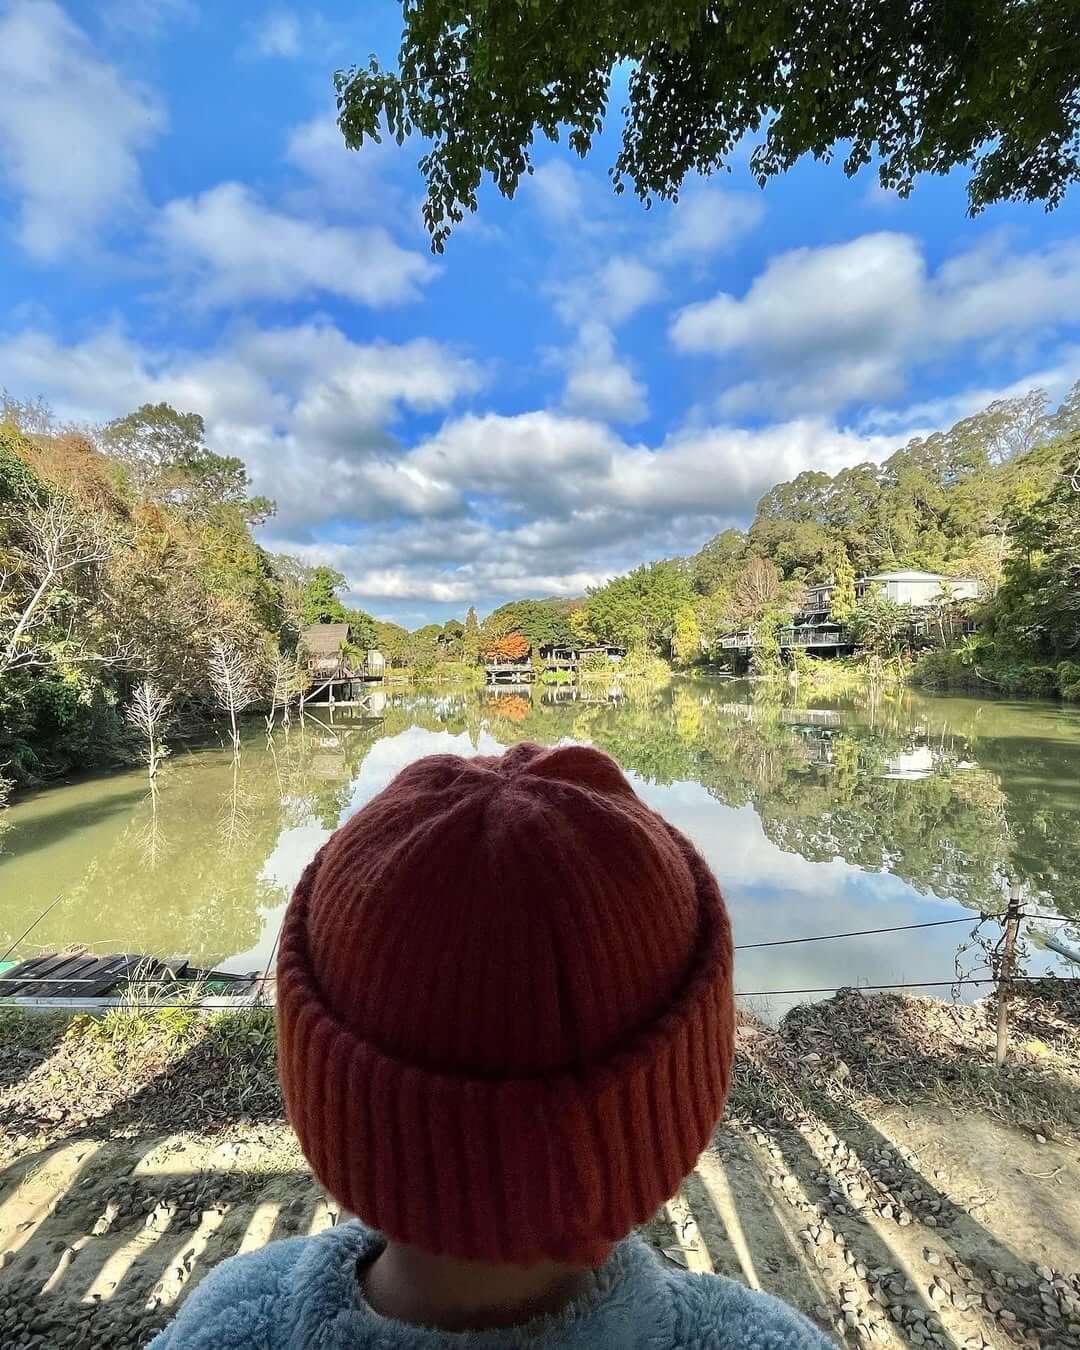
x=739 y=993
x=266 y=978
x=910 y=984
x=858 y=932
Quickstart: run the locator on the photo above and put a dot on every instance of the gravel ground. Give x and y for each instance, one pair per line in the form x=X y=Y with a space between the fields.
x=874 y=1169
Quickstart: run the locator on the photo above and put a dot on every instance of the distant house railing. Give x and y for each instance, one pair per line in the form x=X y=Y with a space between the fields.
x=816 y=637
x=790 y=637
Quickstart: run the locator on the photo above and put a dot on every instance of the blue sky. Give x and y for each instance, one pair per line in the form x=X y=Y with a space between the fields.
x=577 y=386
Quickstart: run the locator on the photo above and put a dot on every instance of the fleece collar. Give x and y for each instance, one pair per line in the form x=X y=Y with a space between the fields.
x=629 y=1306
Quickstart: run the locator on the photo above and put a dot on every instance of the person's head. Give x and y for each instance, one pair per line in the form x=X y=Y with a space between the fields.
x=506 y=1020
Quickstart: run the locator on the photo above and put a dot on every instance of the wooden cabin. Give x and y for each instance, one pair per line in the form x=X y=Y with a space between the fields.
x=325 y=644
x=569 y=655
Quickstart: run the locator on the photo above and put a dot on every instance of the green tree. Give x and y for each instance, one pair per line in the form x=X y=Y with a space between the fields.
x=797 y=547
x=911 y=89
x=452 y=639
x=842 y=606
x=765 y=658
x=393 y=641
x=321 y=603
x=718 y=562
x=362 y=630
x=715 y=616
x=422 y=650
x=1066 y=420
x=639 y=609
x=578 y=621
x=880 y=626
x=541 y=621
x=165 y=455
x=1037 y=609
x=470 y=640
x=686 y=639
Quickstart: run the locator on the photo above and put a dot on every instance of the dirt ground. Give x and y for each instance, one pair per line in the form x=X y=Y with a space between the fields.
x=874 y=1170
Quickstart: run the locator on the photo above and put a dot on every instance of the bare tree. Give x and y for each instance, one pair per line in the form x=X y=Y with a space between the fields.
x=147 y=713
x=32 y=416
x=53 y=543
x=757 y=588
x=232 y=677
x=284 y=686
x=234 y=818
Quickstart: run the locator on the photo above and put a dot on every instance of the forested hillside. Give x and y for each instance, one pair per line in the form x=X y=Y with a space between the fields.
x=126 y=555
x=997 y=497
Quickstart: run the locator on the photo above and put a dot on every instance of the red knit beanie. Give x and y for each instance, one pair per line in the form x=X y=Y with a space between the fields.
x=505 y=1009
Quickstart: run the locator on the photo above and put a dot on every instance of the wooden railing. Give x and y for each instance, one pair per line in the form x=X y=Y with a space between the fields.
x=833 y=637
x=815 y=637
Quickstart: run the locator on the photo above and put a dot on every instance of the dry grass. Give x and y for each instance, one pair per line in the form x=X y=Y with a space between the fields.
x=859 y=1051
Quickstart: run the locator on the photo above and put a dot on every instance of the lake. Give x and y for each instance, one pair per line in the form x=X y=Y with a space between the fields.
x=818 y=817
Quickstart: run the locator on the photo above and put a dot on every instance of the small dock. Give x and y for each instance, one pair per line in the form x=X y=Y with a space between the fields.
x=508 y=672
x=553 y=657
x=85 y=982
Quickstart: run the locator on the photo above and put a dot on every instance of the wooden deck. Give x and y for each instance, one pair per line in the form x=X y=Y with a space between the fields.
x=65 y=977
x=834 y=639
x=509 y=672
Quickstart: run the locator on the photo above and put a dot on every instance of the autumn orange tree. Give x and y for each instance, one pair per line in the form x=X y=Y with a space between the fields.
x=509 y=647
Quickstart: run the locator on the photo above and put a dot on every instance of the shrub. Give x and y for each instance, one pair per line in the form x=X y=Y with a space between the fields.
x=1068 y=679
x=596 y=663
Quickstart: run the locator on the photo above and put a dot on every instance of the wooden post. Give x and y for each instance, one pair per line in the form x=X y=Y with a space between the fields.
x=1005 y=970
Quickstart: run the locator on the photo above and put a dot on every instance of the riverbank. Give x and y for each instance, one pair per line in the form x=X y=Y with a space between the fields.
x=873 y=1168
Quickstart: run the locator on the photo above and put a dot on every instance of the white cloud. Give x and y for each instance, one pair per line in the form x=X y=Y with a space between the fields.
x=230 y=247
x=397 y=584
x=483 y=509
x=838 y=297
x=989 y=291
x=823 y=327
x=918 y=419
x=71 y=130
x=145 y=18
x=611 y=294
x=307 y=409
x=706 y=220
x=541 y=465
x=558 y=190
x=598 y=384
x=278 y=34
x=349 y=180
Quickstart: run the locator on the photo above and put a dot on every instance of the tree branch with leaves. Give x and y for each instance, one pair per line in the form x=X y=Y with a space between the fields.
x=52 y=546
x=910 y=89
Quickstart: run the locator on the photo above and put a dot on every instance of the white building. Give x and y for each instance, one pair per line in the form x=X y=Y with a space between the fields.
x=918 y=588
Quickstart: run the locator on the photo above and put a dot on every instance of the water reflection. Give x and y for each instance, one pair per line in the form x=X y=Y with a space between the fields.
x=816 y=818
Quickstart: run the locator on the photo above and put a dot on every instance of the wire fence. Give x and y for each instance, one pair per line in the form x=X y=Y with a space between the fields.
x=974 y=917
x=739 y=993
x=256 y=983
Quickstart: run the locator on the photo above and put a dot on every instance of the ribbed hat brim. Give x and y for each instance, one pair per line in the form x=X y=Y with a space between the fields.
x=553 y=1167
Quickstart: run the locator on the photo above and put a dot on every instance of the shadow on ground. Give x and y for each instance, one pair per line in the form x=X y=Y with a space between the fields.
x=923 y=1223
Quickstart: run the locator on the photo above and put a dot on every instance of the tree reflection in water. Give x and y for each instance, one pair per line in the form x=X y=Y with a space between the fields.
x=953 y=796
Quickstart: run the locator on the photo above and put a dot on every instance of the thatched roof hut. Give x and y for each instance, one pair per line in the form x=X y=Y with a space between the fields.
x=323 y=643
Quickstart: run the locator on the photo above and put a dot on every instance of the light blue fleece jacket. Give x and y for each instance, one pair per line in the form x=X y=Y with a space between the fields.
x=307 y=1294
